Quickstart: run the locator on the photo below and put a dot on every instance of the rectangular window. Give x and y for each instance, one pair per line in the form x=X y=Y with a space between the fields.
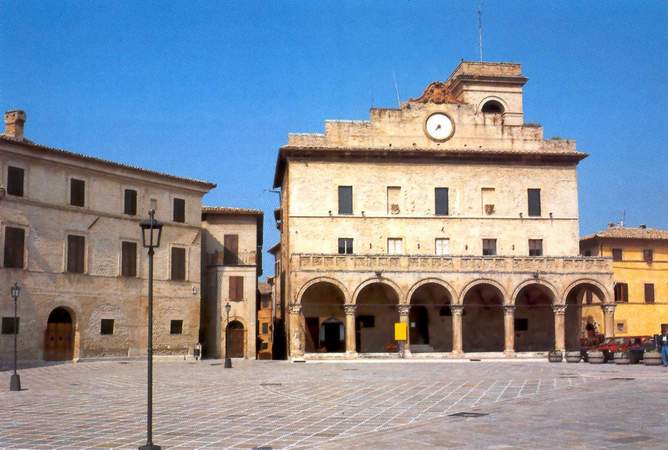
x=153 y=204
x=534 y=202
x=231 y=249
x=15 y=176
x=345 y=246
x=176 y=327
x=488 y=197
x=441 y=201
x=442 y=246
x=649 y=293
x=648 y=255
x=265 y=328
x=236 y=292
x=616 y=254
x=76 y=253
x=395 y=246
x=345 y=199
x=178 y=263
x=489 y=247
x=179 y=210
x=14 y=247
x=621 y=293
x=393 y=200
x=366 y=321
x=10 y=326
x=521 y=324
x=535 y=247
x=77 y=192
x=264 y=346
x=130 y=202
x=128 y=259
x=107 y=326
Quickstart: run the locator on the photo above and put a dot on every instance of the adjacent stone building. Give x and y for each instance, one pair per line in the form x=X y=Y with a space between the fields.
x=265 y=320
x=450 y=214
x=232 y=263
x=640 y=270
x=70 y=236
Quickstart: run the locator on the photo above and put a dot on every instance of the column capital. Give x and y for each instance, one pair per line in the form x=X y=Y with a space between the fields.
x=295 y=308
x=609 y=309
x=457 y=309
x=349 y=309
x=559 y=309
x=404 y=309
x=509 y=309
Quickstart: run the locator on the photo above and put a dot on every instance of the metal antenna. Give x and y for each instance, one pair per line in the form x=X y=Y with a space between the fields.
x=480 y=28
x=396 y=88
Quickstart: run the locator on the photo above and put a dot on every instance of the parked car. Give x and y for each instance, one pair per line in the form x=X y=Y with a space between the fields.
x=633 y=345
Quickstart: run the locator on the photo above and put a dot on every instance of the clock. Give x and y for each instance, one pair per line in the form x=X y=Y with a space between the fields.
x=439 y=127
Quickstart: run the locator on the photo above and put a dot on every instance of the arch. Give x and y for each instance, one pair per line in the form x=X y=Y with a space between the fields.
x=530 y=281
x=534 y=322
x=419 y=284
x=479 y=281
x=61 y=334
x=603 y=291
x=317 y=280
x=483 y=327
x=496 y=104
x=235 y=339
x=381 y=280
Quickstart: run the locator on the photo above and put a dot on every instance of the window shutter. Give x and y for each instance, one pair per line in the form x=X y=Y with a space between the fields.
x=129 y=259
x=15 y=176
x=231 y=249
x=441 y=207
x=130 y=202
x=179 y=210
x=236 y=291
x=534 y=202
x=77 y=192
x=345 y=199
x=14 y=247
x=178 y=263
x=76 y=248
x=649 y=293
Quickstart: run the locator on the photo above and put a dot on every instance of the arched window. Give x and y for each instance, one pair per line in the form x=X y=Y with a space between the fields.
x=492 y=107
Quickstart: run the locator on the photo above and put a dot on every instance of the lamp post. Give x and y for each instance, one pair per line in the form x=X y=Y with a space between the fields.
x=151 y=231
x=15 y=381
x=228 y=361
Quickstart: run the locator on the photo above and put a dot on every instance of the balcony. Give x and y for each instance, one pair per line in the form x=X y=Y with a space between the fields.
x=243 y=259
x=429 y=263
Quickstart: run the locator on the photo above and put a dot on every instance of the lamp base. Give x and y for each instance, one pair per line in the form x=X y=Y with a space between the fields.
x=15 y=383
x=149 y=447
x=228 y=363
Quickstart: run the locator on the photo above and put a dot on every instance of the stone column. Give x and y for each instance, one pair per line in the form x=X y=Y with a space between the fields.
x=296 y=331
x=609 y=313
x=457 y=311
x=559 y=327
x=509 y=329
x=350 y=329
x=404 y=311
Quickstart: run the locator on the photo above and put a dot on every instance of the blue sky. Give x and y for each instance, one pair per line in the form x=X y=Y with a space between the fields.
x=211 y=89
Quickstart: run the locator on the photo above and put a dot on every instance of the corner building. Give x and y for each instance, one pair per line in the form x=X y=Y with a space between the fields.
x=450 y=214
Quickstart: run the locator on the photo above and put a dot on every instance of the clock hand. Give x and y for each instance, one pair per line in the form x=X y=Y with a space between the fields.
x=438 y=127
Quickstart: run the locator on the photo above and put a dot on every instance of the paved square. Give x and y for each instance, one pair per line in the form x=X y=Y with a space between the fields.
x=357 y=404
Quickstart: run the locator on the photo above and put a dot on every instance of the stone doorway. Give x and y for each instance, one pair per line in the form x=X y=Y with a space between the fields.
x=59 y=336
x=235 y=335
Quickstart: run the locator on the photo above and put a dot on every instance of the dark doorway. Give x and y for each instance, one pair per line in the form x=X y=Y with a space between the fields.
x=332 y=335
x=59 y=337
x=312 y=328
x=235 y=336
x=419 y=325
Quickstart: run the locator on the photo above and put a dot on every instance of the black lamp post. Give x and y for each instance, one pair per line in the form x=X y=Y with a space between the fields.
x=228 y=361
x=15 y=381
x=151 y=230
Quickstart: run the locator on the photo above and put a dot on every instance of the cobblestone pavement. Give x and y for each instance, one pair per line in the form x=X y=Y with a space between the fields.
x=509 y=404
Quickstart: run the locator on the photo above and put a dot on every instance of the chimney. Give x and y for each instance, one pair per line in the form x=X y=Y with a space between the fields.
x=643 y=226
x=612 y=225
x=14 y=121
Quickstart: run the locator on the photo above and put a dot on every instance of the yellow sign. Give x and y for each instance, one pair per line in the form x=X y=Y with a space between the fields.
x=400 y=332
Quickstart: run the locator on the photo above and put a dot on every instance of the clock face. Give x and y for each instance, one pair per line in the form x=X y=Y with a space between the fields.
x=439 y=127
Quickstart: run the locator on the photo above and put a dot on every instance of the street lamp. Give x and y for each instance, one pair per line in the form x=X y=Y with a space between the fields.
x=15 y=381
x=228 y=361
x=151 y=230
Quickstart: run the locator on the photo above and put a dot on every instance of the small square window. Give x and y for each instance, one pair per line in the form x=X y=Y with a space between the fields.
x=535 y=247
x=442 y=246
x=620 y=326
x=345 y=246
x=395 y=246
x=176 y=327
x=264 y=346
x=489 y=247
x=10 y=326
x=107 y=326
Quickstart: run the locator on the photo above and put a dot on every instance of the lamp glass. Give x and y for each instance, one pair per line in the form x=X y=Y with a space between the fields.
x=15 y=290
x=151 y=233
x=227 y=307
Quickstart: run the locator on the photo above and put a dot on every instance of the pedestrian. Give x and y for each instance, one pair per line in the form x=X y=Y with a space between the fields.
x=198 y=351
x=664 y=348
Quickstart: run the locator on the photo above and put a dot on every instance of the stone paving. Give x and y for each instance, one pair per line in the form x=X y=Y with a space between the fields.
x=400 y=404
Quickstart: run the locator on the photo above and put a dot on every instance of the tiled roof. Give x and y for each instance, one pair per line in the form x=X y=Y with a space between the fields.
x=231 y=211
x=618 y=232
x=43 y=149
x=264 y=288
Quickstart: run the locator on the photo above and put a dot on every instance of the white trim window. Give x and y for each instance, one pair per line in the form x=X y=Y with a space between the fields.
x=395 y=246
x=442 y=246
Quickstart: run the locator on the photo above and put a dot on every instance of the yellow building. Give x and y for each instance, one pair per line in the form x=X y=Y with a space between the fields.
x=640 y=271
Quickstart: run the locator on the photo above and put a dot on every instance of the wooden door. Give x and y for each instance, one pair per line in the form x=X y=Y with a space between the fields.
x=235 y=338
x=59 y=342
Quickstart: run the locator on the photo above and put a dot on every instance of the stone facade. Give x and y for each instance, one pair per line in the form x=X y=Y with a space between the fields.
x=231 y=254
x=37 y=197
x=382 y=223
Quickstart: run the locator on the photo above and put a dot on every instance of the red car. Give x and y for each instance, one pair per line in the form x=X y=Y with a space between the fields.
x=634 y=345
